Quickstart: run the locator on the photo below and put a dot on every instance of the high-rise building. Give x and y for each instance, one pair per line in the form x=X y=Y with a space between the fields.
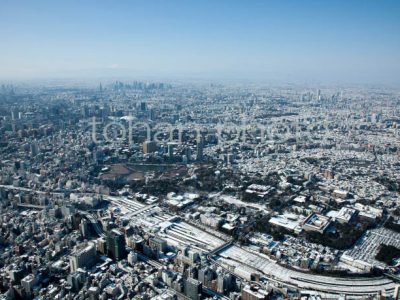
x=158 y=244
x=224 y=283
x=193 y=289
x=132 y=258
x=101 y=245
x=13 y=115
x=149 y=147
x=82 y=257
x=34 y=149
x=188 y=154
x=116 y=245
x=199 y=154
x=84 y=227
x=194 y=255
x=152 y=114
x=28 y=283
x=319 y=95
x=206 y=275
x=75 y=280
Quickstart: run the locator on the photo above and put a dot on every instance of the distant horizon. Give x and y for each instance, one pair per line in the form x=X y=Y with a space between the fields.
x=95 y=81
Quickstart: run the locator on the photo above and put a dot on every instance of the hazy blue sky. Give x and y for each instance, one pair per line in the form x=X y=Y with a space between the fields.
x=305 y=40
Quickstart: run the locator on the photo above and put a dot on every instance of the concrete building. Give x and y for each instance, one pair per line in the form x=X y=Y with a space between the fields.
x=82 y=257
x=193 y=289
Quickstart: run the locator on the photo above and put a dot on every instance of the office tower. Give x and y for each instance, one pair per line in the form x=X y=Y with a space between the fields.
x=193 y=289
x=16 y=275
x=75 y=280
x=158 y=244
x=199 y=153
x=193 y=272
x=82 y=257
x=178 y=284
x=28 y=283
x=152 y=114
x=143 y=106
x=84 y=228
x=101 y=245
x=34 y=149
x=149 y=147
x=194 y=255
x=132 y=258
x=94 y=292
x=206 y=275
x=115 y=245
x=84 y=111
x=188 y=154
x=224 y=283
